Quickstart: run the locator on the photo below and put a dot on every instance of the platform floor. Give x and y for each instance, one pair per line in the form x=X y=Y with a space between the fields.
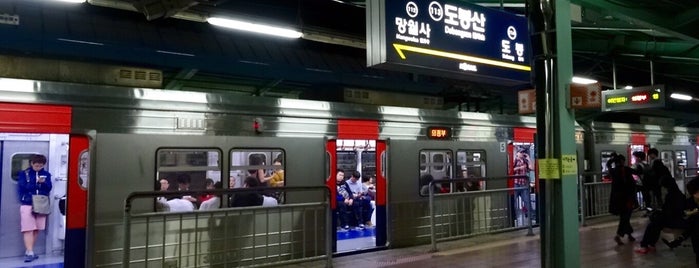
x=516 y=249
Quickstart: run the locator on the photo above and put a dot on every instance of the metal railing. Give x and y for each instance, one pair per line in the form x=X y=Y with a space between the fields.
x=229 y=237
x=594 y=196
x=463 y=214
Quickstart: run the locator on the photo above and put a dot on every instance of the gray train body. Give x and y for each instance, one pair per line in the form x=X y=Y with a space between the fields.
x=128 y=127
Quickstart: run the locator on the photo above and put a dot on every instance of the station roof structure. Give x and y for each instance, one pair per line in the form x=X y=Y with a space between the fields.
x=621 y=38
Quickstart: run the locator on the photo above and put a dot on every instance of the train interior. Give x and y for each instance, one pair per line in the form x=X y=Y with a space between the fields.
x=359 y=155
x=17 y=148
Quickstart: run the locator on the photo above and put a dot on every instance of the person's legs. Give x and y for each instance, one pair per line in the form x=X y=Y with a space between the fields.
x=647 y=198
x=651 y=235
x=29 y=226
x=658 y=196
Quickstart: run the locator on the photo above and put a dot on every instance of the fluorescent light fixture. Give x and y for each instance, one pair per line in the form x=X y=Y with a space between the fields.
x=628 y=87
x=680 y=96
x=254 y=27
x=72 y=1
x=582 y=80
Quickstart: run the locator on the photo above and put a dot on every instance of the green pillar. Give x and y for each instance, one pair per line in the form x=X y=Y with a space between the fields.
x=560 y=240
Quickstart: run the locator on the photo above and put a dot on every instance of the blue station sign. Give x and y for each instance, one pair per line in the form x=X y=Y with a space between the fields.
x=462 y=39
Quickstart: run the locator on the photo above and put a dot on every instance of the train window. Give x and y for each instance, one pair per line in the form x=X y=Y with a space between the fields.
x=267 y=164
x=188 y=169
x=681 y=161
x=471 y=164
x=347 y=160
x=667 y=157
x=20 y=162
x=369 y=163
x=84 y=169
x=605 y=156
x=436 y=163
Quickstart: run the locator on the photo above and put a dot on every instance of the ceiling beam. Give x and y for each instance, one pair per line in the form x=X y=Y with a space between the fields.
x=641 y=17
x=686 y=17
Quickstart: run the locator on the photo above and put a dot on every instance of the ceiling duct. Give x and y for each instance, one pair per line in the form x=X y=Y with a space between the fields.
x=155 y=9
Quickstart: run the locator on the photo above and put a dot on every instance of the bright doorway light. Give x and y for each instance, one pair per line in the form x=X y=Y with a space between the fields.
x=584 y=81
x=679 y=96
x=254 y=27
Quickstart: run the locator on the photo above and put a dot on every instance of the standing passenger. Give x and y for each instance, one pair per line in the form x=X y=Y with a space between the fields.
x=521 y=169
x=622 y=199
x=654 y=178
x=33 y=180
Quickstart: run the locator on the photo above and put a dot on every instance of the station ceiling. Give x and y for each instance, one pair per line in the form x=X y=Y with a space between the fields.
x=627 y=38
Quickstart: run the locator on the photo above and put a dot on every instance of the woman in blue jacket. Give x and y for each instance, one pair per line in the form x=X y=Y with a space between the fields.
x=33 y=180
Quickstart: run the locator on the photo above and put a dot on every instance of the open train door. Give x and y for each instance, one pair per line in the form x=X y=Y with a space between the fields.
x=25 y=130
x=357 y=148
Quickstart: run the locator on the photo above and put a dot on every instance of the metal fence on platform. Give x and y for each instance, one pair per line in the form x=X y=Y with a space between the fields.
x=463 y=214
x=229 y=237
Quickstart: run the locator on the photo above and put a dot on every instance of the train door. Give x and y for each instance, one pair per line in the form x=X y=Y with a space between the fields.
x=363 y=225
x=25 y=130
x=522 y=152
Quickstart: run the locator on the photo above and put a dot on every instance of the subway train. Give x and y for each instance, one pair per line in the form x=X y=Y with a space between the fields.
x=104 y=143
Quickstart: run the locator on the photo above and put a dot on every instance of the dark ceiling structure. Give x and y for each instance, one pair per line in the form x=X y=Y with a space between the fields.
x=617 y=42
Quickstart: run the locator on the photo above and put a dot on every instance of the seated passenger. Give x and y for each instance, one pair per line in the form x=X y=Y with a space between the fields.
x=183 y=181
x=425 y=180
x=180 y=205
x=209 y=186
x=248 y=199
x=369 y=181
x=214 y=201
x=362 y=201
x=343 y=198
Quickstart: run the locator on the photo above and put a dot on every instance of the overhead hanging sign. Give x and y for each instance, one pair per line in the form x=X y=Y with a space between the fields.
x=448 y=38
x=637 y=98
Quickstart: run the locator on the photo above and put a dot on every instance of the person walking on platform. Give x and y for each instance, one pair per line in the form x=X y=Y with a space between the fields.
x=622 y=200
x=643 y=171
x=670 y=215
x=691 y=215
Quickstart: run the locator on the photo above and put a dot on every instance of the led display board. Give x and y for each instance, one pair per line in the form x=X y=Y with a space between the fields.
x=439 y=133
x=637 y=98
x=448 y=38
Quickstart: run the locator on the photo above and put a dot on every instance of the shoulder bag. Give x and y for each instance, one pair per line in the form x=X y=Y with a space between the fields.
x=40 y=203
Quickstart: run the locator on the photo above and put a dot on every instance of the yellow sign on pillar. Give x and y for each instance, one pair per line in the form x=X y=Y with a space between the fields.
x=569 y=164
x=549 y=168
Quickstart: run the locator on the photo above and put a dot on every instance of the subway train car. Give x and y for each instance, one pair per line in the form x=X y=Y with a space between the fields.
x=104 y=143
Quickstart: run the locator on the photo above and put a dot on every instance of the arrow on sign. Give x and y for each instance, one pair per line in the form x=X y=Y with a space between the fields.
x=400 y=48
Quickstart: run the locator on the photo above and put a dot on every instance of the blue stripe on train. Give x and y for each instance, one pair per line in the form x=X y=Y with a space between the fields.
x=75 y=248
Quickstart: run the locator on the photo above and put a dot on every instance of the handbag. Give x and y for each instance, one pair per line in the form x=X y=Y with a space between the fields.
x=40 y=203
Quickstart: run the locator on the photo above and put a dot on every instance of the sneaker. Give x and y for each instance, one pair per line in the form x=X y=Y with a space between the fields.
x=644 y=250
x=346 y=227
x=361 y=226
x=30 y=258
x=617 y=239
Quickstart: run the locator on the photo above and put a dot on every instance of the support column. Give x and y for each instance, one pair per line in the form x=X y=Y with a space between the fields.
x=553 y=68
